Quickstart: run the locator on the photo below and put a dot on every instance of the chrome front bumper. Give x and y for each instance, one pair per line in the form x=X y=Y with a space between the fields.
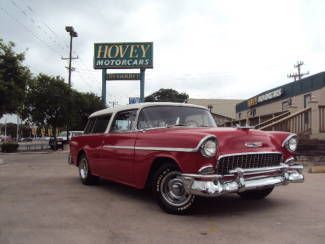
x=242 y=180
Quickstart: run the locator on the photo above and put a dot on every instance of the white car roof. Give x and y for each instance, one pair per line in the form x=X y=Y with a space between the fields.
x=142 y=105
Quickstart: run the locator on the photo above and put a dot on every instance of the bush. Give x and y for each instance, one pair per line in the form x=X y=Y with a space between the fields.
x=9 y=147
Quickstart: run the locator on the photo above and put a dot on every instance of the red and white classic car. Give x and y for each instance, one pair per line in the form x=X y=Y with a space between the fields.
x=177 y=150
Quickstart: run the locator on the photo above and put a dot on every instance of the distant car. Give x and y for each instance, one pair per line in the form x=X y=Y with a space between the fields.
x=63 y=135
x=26 y=139
x=178 y=151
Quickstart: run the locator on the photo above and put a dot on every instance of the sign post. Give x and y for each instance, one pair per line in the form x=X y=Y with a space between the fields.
x=142 y=76
x=125 y=55
x=104 y=86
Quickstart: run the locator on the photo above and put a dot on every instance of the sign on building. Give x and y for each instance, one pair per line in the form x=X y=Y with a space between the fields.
x=129 y=55
x=265 y=97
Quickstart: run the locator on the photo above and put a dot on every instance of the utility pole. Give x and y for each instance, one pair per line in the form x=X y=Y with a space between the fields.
x=72 y=34
x=113 y=103
x=298 y=75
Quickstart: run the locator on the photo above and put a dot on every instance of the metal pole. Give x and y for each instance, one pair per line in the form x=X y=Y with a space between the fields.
x=17 y=136
x=5 y=130
x=142 y=76
x=70 y=59
x=69 y=81
x=104 y=86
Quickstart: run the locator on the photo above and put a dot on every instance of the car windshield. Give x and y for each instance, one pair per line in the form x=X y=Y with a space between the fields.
x=169 y=116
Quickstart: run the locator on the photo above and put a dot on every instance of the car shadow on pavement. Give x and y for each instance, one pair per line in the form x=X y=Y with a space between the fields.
x=232 y=204
x=227 y=205
x=126 y=191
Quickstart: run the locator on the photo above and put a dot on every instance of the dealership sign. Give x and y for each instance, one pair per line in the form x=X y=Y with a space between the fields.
x=265 y=97
x=123 y=76
x=128 y=55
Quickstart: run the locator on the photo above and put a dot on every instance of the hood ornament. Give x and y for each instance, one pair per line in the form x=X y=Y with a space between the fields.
x=254 y=144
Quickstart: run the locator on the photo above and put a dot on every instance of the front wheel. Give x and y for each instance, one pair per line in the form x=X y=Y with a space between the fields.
x=169 y=191
x=85 y=174
x=256 y=194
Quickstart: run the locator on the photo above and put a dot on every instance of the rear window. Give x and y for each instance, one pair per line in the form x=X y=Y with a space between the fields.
x=97 y=124
x=89 y=126
x=101 y=124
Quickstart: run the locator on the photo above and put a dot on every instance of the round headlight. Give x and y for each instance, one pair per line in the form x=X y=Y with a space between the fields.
x=209 y=148
x=291 y=144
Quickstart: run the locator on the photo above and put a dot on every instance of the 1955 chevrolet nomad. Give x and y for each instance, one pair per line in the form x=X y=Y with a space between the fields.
x=177 y=150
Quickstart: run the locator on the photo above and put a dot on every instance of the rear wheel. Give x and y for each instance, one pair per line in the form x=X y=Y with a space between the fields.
x=256 y=194
x=169 y=191
x=85 y=174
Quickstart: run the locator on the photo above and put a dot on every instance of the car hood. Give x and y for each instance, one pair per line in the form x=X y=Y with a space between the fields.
x=230 y=140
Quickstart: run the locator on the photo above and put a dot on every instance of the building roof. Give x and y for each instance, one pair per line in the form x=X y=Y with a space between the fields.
x=141 y=105
x=223 y=107
x=295 y=88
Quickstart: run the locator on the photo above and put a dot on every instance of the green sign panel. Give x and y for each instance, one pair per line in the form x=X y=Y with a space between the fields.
x=123 y=76
x=127 y=55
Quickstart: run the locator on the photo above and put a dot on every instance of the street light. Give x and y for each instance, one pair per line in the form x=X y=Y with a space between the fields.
x=72 y=33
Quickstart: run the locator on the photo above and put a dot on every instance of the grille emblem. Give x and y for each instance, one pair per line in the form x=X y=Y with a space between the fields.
x=253 y=144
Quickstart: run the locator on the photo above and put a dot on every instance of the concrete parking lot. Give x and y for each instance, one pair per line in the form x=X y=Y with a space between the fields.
x=43 y=201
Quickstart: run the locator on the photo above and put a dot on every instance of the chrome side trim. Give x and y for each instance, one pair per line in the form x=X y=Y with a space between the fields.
x=288 y=138
x=246 y=153
x=119 y=147
x=170 y=149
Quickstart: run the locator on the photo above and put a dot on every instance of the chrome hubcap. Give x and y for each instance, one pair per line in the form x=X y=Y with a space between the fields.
x=172 y=189
x=83 y=169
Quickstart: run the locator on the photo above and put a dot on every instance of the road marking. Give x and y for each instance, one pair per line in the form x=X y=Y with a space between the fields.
x=1 y=161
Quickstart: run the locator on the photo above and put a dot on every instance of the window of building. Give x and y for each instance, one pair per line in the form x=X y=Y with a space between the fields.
x=307 y=99
x=254 y=112
x=124 y=121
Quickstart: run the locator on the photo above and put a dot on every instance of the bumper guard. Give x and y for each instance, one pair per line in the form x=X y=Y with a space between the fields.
x=242 y=180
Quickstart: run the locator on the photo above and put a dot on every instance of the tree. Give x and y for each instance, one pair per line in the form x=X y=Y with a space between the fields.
x=84 y=104
x=47 y=101
x=13 y=78
x=167 y=95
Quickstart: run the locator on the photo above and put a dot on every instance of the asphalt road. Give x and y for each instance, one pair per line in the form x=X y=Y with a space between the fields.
x=43 y=201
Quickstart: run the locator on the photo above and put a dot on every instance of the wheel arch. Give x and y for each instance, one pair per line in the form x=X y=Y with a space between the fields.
x=80 y=153
x=156 y=164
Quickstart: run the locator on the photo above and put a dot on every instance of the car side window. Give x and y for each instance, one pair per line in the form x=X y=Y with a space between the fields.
x=101 y=123
x=89 y=126
x=124 y=121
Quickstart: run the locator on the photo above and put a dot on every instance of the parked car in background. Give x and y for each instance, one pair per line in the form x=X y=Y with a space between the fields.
x=63 y=135
x=177 y=151
x=26 y=139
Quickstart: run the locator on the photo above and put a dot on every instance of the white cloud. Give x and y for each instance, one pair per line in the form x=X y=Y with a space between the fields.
x=215 y=49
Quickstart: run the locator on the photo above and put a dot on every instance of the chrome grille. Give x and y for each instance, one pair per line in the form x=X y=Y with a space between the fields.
x=246 y=161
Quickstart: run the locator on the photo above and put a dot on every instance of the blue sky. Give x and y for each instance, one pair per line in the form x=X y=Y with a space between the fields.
x=209 y=49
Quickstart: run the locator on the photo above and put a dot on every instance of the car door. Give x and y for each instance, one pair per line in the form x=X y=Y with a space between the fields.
x=118 y=148
x=93 y=140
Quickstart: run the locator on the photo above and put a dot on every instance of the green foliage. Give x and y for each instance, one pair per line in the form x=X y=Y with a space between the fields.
x=9 y=147
x=167 y=95
x=50 y=102
x=13 y=78
x=84 y=104
x=47 y=101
